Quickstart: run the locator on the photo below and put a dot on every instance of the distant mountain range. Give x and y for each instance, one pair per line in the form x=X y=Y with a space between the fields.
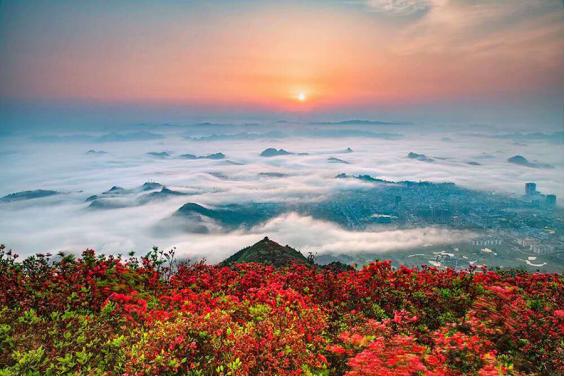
x=26 y=195
x=158 y=154
x=189 y=156
x=315 y=131
x=523 y=161
x=358 y=122
x=117 y=197
x=270 y=152
x=96 y=152
x=419 y=157
x=105 y=138
x=231 y=215
x=336 y=160
x=212 y=156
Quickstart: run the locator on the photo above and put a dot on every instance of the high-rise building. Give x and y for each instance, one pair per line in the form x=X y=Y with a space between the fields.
x=550 y=200
x=530 y=188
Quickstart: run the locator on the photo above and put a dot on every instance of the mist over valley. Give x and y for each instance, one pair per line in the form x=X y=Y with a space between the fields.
x=344 y=190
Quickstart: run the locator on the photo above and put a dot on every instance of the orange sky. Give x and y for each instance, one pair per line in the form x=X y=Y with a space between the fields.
x=338 y=53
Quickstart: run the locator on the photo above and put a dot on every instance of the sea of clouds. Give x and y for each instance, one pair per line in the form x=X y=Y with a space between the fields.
x=59 y=161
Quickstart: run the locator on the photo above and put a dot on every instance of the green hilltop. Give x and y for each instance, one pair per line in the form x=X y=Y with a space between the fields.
x=269 y=252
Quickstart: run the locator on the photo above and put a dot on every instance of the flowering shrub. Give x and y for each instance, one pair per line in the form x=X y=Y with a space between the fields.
x=110 y=315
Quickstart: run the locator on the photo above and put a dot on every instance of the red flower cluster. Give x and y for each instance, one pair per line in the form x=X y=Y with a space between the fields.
x=107 y=315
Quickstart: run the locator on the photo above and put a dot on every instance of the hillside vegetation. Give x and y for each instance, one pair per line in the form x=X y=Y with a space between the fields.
x=110 y=315
x=270 y=252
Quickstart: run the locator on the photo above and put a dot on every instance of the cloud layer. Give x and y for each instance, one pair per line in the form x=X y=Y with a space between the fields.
x=311 y=235
x=476 y=161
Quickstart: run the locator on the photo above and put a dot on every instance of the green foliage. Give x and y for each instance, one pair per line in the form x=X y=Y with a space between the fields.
x=26 y=362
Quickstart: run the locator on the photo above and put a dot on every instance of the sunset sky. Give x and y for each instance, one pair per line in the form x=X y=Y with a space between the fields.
x=502 y=58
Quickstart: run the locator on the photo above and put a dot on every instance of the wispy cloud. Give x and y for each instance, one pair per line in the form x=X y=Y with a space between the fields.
x=474 y=26
x=399 y=7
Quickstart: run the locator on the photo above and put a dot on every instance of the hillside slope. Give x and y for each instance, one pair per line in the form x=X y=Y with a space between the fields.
x=268 y=252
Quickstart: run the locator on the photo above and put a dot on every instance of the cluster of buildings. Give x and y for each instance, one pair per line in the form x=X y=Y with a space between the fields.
x=537 y=197
x=482 y=242
x=536 y=246
x=529 y=223
x=508 y=225
x=510 y=228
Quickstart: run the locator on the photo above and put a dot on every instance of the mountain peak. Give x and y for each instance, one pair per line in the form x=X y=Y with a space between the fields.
x=269 y=252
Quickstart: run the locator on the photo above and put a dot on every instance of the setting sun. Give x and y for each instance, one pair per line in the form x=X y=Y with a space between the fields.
x=301 y=97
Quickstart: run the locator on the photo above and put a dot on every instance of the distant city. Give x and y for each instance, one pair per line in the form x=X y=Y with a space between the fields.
x=508 y=227
x=510 y=230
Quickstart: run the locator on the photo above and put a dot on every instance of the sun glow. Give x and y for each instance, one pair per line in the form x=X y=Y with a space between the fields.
x=301 y=96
